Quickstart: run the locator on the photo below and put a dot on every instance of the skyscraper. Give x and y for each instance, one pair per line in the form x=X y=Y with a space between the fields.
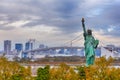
x=19 y=47
x=28 y=45
x=7 y=46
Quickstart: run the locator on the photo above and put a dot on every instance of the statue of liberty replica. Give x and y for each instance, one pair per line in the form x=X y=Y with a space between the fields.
x=90 y=45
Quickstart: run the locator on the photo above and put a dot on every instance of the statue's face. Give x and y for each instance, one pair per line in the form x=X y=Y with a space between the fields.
x=89 y=32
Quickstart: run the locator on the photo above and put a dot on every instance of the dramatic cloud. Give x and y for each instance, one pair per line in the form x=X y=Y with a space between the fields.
x=51 y=18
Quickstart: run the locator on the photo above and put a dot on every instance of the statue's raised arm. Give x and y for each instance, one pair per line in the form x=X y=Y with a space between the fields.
x=83 y=25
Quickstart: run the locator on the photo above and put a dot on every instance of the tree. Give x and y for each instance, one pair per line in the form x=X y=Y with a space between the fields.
x=102 y=70
x=13 y=71
x=43 y=73
x=81 y=72
x=63 y=72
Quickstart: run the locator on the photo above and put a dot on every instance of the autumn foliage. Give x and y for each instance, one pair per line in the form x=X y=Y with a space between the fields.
x=101 y=70
x=13 y=71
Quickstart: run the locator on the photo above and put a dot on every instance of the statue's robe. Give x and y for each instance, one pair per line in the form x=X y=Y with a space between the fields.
x=89 y=49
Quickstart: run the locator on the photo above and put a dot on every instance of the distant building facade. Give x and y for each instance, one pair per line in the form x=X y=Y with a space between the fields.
x=7 y=46
x=28 y=45
x=41 y=46
x=19 y=47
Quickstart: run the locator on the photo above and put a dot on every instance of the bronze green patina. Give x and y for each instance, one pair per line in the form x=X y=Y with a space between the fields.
x=90 y=45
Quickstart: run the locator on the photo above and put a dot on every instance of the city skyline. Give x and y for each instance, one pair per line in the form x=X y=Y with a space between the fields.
x=53 y=22
x=30 y=45
x=9 y=46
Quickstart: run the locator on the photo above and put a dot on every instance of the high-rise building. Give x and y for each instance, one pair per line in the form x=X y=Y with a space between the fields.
x=28 y=45
x=7 y=46
x=41 y=46
x=19 y=47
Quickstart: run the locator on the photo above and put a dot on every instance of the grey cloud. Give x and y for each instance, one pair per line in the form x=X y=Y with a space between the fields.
x=63 y=14
x=49 y=12
x=110 y=16
x=6 y=28
x=59 y=9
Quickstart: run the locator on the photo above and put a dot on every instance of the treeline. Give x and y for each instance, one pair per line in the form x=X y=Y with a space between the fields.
x=102 y=70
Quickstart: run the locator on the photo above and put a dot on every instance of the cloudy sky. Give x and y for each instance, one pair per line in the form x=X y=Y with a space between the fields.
x=54 y=22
